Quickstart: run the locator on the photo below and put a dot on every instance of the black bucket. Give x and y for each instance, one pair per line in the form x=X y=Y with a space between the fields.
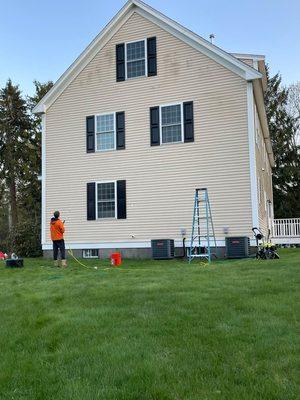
x=14 y=263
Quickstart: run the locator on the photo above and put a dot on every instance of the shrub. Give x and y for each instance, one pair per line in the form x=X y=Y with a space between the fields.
x=24 y=240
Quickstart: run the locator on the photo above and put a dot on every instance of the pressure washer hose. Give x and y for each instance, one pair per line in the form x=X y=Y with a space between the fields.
x=70 y=251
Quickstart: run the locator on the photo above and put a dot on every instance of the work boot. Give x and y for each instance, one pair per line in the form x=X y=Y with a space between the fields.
x=64 y=263
x=56 y=263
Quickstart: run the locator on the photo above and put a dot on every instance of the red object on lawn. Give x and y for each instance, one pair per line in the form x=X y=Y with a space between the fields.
x=2 y=256
x=116 y=259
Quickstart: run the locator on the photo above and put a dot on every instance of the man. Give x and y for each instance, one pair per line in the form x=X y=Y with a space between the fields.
x=57 y=230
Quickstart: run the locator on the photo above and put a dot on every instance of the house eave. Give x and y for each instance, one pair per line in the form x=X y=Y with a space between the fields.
x=259 y=98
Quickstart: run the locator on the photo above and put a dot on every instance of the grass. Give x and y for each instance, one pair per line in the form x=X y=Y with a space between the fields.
x=151 y=330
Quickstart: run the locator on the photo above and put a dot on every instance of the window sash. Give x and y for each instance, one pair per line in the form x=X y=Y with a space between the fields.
x=136 y=59
x=98 y=132
x=171 y=124
x=112 y=200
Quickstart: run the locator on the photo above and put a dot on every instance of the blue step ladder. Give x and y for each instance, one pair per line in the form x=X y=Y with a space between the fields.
x=203 y=234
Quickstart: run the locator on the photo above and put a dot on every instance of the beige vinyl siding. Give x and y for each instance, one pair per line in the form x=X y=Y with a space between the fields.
x=247 y=61
x=160 y=180
x=264 y=176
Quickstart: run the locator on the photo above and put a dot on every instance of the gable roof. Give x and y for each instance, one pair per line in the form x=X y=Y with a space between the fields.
x=204 y=46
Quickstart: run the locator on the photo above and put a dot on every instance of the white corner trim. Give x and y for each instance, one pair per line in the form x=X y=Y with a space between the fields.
x=222 y=57
x=43 y=223
x=252 y=155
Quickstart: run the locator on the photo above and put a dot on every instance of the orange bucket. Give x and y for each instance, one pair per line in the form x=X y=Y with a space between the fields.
x=116 y=259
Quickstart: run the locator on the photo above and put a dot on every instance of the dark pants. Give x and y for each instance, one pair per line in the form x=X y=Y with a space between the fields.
x=59 y=245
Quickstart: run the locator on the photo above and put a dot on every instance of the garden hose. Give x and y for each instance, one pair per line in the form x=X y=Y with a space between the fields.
x=70 y=251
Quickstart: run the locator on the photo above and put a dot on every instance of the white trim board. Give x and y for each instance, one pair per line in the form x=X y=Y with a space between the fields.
x=254 y=57
x=220 y=56
x=126 y=245
x=252 y=155
x=43 y=178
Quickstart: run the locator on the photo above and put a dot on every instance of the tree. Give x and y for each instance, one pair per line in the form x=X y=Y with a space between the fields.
x=293 y=106
x=283 y=130
x=14 y=136
x=20 y=160
x=31 y=189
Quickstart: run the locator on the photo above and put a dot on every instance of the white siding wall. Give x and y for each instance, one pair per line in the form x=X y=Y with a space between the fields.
x=264 y=176
x=160 y=180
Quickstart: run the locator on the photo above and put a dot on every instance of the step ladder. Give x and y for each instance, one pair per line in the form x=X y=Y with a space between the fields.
x=203 y=234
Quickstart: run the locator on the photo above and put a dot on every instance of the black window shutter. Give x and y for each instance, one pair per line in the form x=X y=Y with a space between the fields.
x=121 y=199
x=152 y=59
x=188 y=120
x=154 y=126
x=120 y=62
x=91 y=201
x=120 y=130
x=90 y=134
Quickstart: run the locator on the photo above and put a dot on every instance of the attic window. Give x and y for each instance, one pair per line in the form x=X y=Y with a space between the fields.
x=136 y=59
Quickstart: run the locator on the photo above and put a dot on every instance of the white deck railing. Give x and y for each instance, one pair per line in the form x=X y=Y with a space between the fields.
x=286 y=228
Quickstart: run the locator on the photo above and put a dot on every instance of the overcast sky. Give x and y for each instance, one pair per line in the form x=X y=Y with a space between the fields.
x=40 y=39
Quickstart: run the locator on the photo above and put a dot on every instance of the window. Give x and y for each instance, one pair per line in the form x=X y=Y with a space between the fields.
x=136 y=59
x=106 y=200
x=259 y=189
x=171 y=123
x=90 y=253
x=105 y=132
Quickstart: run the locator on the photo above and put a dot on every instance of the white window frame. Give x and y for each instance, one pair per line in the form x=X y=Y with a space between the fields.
x=259 y=190
x=160 y=122
x=116 y=200
x=86 y=250
x=146 y=59
x=98 y=133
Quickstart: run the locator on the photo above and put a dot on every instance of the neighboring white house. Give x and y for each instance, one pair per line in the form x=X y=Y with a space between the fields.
x=146 y=114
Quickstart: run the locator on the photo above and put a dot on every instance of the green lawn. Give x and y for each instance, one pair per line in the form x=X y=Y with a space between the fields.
x=151 y=330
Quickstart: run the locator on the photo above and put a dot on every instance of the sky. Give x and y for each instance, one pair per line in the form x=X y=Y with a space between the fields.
x=40 y=39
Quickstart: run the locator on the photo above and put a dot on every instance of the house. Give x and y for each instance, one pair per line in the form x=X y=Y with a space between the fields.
x=146 y=114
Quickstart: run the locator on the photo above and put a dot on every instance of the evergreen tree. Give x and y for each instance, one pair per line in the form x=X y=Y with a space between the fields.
x=14 y=136
x=31 y=188
x=283 y=131
x=20 y=166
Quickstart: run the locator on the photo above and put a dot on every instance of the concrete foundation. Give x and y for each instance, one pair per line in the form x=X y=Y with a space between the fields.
x=134 y=253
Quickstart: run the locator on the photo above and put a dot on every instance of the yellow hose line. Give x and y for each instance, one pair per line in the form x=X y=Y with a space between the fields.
x=76 y=259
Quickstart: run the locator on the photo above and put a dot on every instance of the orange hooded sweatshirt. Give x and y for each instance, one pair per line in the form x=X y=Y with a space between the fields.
x=57 y=229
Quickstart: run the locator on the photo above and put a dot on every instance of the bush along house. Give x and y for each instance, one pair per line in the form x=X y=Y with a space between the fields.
x=149 y=112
